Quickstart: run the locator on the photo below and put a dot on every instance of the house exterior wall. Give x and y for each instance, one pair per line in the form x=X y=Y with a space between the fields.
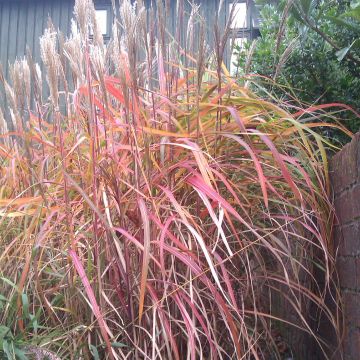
x=23 y=22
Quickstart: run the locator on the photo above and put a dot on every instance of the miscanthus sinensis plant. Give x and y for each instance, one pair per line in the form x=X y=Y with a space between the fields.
x=152 y=208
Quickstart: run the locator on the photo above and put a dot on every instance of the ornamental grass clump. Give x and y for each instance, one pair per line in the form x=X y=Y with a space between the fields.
x=152 y=208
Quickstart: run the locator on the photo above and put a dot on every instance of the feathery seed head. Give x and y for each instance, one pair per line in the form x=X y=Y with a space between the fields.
x=52 y=63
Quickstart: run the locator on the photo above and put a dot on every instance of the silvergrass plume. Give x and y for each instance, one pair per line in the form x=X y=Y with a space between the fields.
x=249 y=57
x=4 y=130
x=82 y=11
x=282 y=25
x=74 y=52
x=51 y=60
x=285 y=56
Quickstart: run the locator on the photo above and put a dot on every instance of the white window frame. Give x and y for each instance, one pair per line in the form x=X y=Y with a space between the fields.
x=247 y=33
x=106 y=30
x=244 y=22
x=102 y=19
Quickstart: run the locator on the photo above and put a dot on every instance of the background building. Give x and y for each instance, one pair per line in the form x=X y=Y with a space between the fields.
x=22 y=22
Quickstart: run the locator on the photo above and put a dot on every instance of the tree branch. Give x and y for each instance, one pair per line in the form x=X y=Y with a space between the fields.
x=330 y=41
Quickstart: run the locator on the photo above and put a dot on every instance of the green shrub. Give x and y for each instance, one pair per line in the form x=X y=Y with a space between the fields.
x=306 y=67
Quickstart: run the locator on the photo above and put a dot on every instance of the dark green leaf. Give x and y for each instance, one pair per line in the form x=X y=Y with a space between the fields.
x=354 y=13
x=25 y=304
x=7 y=350
x=340 y=54
x=5 y=332
x=94 y=352
x=20 y=354
x=343 y=22
x=118 y=345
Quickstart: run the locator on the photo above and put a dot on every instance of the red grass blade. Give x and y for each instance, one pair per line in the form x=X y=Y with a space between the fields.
x=146 y=255
x=84 y=279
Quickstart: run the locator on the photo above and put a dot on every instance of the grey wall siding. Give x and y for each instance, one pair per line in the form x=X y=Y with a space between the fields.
x=23 y=22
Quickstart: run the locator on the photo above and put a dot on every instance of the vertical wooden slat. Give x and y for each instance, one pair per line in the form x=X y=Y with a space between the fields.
x=38 y=28
x=21 y=29
x=47 y=13
x=4 y=24
x=12 y=32
x=2 y=96
x=55 y=13
x=30 y=26
x=4 y=39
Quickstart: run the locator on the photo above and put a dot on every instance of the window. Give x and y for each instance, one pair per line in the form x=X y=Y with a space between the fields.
x=102 y=20
x=240 y=15
x=244 y=26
